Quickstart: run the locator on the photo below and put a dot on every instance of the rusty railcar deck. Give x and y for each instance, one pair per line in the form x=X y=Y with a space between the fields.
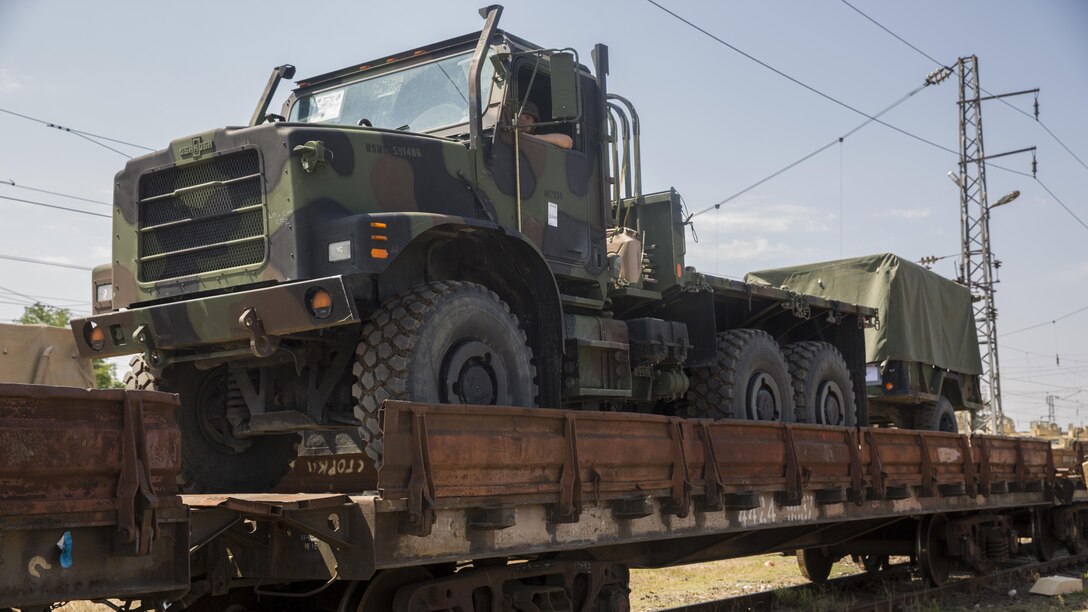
x=474 y=482
x=87 y=496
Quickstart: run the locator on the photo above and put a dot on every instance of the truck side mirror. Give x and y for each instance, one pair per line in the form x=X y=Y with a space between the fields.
x=564 y=75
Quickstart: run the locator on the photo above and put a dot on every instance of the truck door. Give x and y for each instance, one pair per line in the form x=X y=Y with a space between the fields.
x=554 y=203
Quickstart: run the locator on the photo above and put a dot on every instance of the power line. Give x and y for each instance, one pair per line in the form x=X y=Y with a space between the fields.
x=12 y=183
x=1065 y=316
x=45 y=263
x=1002 y=100
x=39 y=298
x=827 y=146
x=870 y=118
x=75 y=131
x=897 y=37
x=75 y=210
x=1067 y=209
x=798 y=82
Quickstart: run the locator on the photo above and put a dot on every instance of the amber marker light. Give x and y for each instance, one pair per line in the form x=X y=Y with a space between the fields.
x=320 y=303
x=379 y=253
x=888 y=386
x=95 y=336
x=378 y=225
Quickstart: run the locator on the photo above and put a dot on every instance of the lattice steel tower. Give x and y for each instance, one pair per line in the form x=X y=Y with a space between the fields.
x=976 y=258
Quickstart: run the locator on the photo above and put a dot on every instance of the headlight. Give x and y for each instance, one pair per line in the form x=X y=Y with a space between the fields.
x=103 y=293
x=340 y=251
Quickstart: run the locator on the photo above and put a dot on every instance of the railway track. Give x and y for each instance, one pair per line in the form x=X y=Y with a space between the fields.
x=863 y=598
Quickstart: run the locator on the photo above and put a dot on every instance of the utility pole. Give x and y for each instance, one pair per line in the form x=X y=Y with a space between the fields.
x=976 y=259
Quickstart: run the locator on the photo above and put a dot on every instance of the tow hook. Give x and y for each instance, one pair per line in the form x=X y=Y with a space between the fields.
x=260 y=343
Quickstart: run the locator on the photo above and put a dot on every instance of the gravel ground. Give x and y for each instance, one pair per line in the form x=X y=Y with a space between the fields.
x=665 y=588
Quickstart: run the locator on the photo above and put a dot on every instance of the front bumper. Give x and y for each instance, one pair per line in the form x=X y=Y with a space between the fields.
x=257 y=316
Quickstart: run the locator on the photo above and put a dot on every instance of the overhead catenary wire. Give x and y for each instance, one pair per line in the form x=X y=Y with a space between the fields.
x=1050 y=322
x=11 y=183
x=75 y=131
x=869 y=118
x=44 y=262
x=797 y=81
x=65 y=208
x=1002 y=100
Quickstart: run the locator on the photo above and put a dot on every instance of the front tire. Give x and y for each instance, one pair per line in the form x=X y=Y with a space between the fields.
x=443 y=342
x=212 y=459
x=748 y=381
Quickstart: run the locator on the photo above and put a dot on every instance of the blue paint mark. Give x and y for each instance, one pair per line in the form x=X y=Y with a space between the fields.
x=65 y=546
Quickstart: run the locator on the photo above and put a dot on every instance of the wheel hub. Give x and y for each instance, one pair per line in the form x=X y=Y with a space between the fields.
x=764 y=399
x=473 y=373
x=212 y=415
x=830 y=406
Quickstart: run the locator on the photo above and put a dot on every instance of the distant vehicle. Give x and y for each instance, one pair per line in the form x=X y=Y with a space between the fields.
x=42 y=355
x=922 y=359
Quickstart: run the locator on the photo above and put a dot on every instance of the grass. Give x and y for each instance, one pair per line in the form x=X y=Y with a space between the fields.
x=688 y=584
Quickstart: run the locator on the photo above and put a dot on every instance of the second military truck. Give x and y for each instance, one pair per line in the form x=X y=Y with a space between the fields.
x=400 y=231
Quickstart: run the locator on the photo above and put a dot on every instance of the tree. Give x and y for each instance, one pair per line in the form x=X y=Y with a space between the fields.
x=43 y=314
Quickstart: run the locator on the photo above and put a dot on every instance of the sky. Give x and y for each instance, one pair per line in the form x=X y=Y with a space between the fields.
x=713 y=123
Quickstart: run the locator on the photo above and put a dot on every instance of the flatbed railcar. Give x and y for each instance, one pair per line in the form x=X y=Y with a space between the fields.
x=554 y=509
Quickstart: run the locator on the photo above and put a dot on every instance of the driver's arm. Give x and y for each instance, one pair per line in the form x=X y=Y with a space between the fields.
x=559 y=140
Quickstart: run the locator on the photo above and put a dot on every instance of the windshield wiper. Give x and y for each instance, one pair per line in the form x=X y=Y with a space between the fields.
x=404 y=128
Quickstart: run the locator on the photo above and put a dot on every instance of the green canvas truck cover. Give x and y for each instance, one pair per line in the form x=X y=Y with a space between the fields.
x=924 y=317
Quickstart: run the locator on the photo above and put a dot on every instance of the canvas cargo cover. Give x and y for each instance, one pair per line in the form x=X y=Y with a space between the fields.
x=37 y=354
x=924 y=317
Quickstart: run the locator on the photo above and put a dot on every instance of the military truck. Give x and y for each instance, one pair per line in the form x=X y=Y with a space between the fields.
x=923 y=358
x=396 y=232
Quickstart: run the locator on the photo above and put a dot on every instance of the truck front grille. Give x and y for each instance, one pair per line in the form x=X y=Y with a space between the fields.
x=202 y=217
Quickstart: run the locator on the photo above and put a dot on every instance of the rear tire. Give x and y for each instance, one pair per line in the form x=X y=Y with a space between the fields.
x=442 y=342
x=212 y=459
x=936 y=417
x=749 y=380
x=822 y=389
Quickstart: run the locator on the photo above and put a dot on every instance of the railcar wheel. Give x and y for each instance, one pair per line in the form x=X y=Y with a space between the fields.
x=933 y=560
x=822 y=389
x=815 y=564
x=213 y=459
x=937 y=417
x=441 y=342
x=1042 y=535
x=749 y=380
x=377 y=594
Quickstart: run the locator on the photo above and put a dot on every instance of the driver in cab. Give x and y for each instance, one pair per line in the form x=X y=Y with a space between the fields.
x=529 y=117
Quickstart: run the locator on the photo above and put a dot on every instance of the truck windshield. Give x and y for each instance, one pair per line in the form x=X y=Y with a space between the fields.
x=422 y=98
